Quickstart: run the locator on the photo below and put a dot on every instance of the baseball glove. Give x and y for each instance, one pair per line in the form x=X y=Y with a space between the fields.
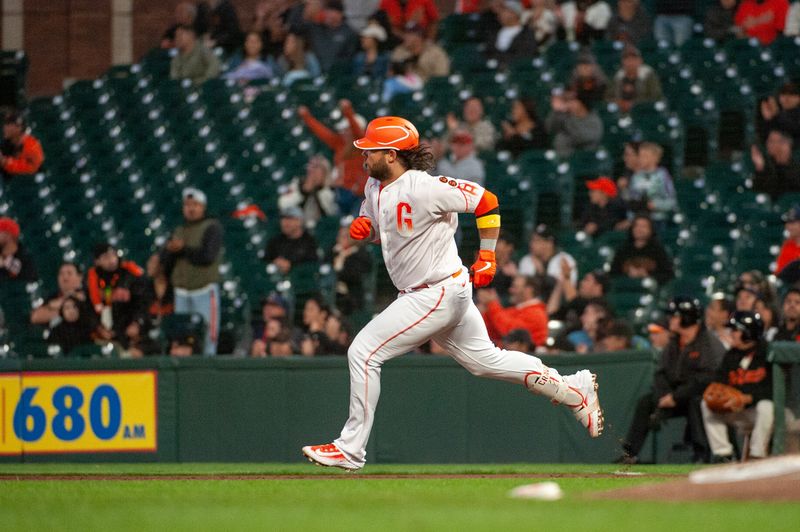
x=723 y=399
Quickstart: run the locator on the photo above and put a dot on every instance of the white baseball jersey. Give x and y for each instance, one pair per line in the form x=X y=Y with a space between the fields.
x=415 y=218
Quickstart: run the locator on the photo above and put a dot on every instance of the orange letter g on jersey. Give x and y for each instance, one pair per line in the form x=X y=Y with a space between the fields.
x=405 y=224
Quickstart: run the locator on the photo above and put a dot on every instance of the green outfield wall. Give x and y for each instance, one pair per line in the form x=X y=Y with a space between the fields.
x=228 y=409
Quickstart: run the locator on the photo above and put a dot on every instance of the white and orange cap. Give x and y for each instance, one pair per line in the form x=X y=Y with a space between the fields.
x=389 y=133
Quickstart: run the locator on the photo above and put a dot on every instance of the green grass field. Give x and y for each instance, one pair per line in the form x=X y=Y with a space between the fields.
x=354 y=501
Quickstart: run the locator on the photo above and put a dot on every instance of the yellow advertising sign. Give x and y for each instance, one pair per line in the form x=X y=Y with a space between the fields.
x=78 y=412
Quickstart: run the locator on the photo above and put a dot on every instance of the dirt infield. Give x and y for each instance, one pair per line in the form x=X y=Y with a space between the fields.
x=6 y=477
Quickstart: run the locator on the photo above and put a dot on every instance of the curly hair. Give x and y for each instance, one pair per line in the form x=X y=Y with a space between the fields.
x=418 y=158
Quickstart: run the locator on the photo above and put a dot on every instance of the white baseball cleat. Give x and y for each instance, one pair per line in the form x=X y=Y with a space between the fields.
x=587 y=411
x=328 y=455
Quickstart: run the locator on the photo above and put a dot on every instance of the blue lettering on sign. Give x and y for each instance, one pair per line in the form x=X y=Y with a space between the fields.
x=27 y=410
x=68 y=411
x=106 y=393
x=135 y=432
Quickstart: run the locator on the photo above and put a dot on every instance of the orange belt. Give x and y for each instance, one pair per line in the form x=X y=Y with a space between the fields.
x=422 y=286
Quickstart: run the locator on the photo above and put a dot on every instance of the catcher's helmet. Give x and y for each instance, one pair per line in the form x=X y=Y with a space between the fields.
x=688 y=308
x=748 y=323
x=389 y=133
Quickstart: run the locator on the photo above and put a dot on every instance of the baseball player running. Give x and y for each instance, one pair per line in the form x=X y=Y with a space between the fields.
x=413 y=216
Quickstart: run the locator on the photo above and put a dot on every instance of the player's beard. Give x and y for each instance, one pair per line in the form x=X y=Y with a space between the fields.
x=379 y=171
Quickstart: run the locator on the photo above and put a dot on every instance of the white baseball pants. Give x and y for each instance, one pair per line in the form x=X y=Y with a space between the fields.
x=761 y=417
x=443 y=312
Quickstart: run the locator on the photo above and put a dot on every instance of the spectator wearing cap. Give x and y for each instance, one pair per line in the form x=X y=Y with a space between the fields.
x=514 y=40
x=777 y=173
x=606 y=212
x=350 y=174
x=524 y=131
x=642 y=254
x=592 y=287
x=482 y=131
x=630 y=23
x=584 y=20
x=117 y=292
x=352 y=264
x=762 y=19
x=573 y=124
x=717 y=313
x=519 y=340
x=790 y=250
x=782 y=113
x=635 y=82
x=651 y=187
x=333 y=41
x=312 y=192
x=462 y=163
x=371 y=61
x=293 y=245
x=296 y=62
x=21 y=152
x=193 y=255
x=426 y=58
x=193 y=61
x=718 y=24
x=70 y=284
x=16 y=264
x=403 y=12
x=588 y=78
x=544 y=257
x=528 y=311
x=658 y=334
x=792 y=28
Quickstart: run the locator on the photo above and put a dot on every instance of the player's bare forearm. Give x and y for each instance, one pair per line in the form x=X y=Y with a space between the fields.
x=490 y=233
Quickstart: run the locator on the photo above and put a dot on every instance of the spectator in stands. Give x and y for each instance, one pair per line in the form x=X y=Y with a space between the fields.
x=75 y=328
x=427 y=59
x=769 y=315
x=117 y=292
x=746 y=297
x=272 y=325
x=21 y=153
x=311 y=192
x=592 y=287
x=673 y=21
x=762 y=19
x=605 y=212
x=782 y=113
x=658 y=334
x=401 y=79
x=573 y=124
x=792 y=28
x=482 y=130
x=630 y=23
x=514 y=40
x=311 y=335
x=592 y=320
x=584 y=20
x=519 y=340
x=349 y=164
x=296 y=63
x=642 y=254
x=630 y=161
x=744 y=367
x=778 y=173
x=757 y=281
x=529 y=311
x=588 y=78
x=70 y=284
x=789 y=327
x=371 y=61
x=223 y=26
x=251 y=67
x=137 y=342
x=543 y=21
x=651 y=186
x=352 y=264
x=719 y=21
x=544 y=257
x=294 y=245
x=462 y=163
x=403 y=12
x=160 y=291
x=686 y=367
x=271 y=21
x=616 y=335
x=634 y=83
x=184 y=344
x=194 y=61
x=524 y=131
x=334 y=42
x=186 y=14
x=16 y=264
x=359 y=13
x=718 y=312
x=790 y=250
x=193 y=255
x=506 y=265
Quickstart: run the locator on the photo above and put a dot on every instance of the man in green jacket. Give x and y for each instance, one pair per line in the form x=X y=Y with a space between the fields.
x=194 y=61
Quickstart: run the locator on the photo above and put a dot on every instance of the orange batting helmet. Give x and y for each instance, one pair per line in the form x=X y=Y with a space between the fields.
x=389 y=133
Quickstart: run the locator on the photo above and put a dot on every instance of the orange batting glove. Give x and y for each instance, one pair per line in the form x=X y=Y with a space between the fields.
x=360 y=228
x=482 y=272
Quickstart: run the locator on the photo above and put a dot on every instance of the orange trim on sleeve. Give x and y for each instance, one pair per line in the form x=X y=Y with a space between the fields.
x=487 y=203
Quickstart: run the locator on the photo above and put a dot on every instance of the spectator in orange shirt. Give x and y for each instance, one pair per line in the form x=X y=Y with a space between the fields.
x=422 y=12
x=790 y=251
x=529 y=312
x=21 y=152
x=350 y=172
